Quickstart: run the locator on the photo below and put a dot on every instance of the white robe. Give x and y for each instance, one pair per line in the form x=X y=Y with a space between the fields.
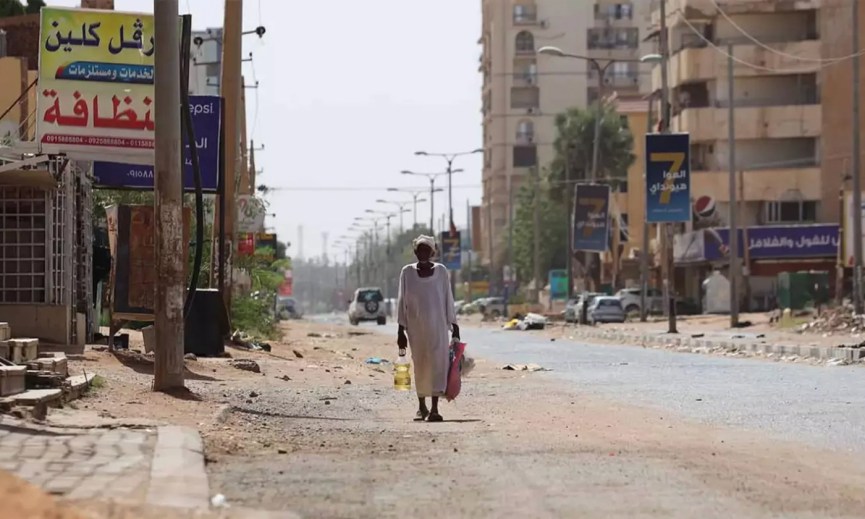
x=426 y=310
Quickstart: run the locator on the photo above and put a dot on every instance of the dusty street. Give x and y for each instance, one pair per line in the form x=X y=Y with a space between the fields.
x=610 y=432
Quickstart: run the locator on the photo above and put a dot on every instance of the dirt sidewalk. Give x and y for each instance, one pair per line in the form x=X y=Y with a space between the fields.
x=321 y=433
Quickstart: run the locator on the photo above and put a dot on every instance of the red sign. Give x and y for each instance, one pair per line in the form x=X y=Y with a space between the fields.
x=246 y=244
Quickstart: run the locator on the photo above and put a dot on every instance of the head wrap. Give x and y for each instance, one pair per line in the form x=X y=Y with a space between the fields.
x=429 y=241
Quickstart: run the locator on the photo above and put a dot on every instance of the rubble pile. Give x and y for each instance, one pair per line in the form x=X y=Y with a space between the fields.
x=840 y=320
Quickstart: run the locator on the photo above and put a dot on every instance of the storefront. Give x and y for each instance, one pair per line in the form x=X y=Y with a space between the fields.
x=771 y=250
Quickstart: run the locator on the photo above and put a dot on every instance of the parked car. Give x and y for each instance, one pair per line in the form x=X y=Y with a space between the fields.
x=492 y=307
x=287 y=308
x=367 y=305
x=584 y=300
x=630 y=298
x=570 y=312
x=606 y=309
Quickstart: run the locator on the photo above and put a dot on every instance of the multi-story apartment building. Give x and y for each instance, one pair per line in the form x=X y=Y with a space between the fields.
x=782 y=87
x=776 y=101
x=524 y=91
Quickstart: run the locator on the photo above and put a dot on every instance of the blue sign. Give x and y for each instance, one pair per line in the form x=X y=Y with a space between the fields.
x=451 y=252
x=592 y=217
x=775 y=242
x=668 y=178
x=558 y=284
x=206 y=120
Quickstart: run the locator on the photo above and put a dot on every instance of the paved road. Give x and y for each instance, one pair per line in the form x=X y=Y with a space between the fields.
x=823 y=405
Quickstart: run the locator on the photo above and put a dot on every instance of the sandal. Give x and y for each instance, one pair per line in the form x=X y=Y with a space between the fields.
x=421 y=416
x=435 y=417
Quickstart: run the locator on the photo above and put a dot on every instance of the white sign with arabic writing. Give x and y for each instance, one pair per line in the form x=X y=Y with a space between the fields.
x=95 y=97
x=250 y=214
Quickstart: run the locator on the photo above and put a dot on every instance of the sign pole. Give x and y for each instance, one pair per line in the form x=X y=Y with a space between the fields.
x=734 y=228
x=669 y=264
x=168 y=367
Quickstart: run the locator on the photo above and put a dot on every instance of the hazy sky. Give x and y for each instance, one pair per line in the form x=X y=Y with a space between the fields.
x=348 y=92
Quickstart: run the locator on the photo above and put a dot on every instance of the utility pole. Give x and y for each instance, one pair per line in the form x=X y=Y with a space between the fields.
x=667 y=253
x=570 y=195
x=231 y=90
x=536 y=231
x=644 y=253
x=168 y=207
x=468 y=298
x=734 y=228
x=857 y=170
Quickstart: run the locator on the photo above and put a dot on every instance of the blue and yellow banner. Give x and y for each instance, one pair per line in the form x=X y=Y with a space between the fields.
x=95 y=92
x=668 y=178
x=592 y=217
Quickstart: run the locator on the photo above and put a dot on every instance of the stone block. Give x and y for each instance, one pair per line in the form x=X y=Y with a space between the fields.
x=12 y=380
x=23 y=350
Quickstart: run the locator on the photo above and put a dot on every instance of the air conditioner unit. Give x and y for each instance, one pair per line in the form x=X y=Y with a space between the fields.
x=545 y=24
x=531 y=110
x=530 y=79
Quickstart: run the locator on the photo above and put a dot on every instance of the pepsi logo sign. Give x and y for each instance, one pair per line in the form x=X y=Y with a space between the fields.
x=704 y=207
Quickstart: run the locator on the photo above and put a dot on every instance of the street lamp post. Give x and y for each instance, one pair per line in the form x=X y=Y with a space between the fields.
x=432 y=190
x=415 y=194
x=450 y=158
x=401 y=206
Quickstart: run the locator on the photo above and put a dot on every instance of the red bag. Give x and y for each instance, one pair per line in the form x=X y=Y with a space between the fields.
x=454 y=376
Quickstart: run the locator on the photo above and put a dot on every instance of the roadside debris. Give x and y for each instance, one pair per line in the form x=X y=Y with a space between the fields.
x=243 y=340
x=377 y=361
x=297 y=354
x=529 y=322
x=524 y=367
x=833 y=320
x=245 y=365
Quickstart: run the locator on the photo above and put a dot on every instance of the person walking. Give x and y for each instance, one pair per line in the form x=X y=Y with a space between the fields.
x=425 y=313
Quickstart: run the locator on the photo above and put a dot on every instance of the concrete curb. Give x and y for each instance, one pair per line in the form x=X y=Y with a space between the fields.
x=688 y=343
x=177 y=475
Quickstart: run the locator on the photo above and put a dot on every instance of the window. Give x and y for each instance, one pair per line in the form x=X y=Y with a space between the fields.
x=525 y=42
x=525 y=97
x=791 y=211
x=621 y=69
x=525 y=131
x=627 y=37
x=524 y=14
x=525 y=156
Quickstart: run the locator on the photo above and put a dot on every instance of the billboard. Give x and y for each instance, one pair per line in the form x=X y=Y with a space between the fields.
x=668 y=178
x=250 y=214
x=767 y=242
x=592 y=217
x=206 y=122
x=95 y=96
x=451 y=253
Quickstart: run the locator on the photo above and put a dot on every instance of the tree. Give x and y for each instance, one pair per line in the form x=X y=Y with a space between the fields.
x=33 y=6
x=574 y=145
x=10 y=8
x=553 y=230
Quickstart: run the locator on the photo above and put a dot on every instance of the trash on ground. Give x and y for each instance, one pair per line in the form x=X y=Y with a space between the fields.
x=531 y=321
x=243 y=340
x=218 y=501
x=245 y=365
x=297 y=354
x=524 y=367
x=376 y=361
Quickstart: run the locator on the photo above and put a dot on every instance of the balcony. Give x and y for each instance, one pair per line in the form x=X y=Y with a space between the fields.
x=703 y=9
x=752 y=122
x=703 y=64
x=760 y=185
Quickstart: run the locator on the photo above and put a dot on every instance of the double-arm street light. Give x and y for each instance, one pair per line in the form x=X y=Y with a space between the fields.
x=415 y=194
x=450 y=158
x=401 y=206
x=387 y=215
x=432 y=190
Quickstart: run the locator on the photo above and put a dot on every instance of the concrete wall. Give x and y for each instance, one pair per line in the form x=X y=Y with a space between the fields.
x=48 y=323
x=13 y=81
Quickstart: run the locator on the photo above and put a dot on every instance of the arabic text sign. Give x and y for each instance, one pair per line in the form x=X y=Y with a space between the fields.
x=250 y=214
x=775 y=242
x=451 y=255
x=592 y=217
x=206 y=119
x=668 y=178
x=95 y=93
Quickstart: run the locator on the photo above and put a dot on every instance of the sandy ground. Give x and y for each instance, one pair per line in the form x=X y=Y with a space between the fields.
x=322 y=434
